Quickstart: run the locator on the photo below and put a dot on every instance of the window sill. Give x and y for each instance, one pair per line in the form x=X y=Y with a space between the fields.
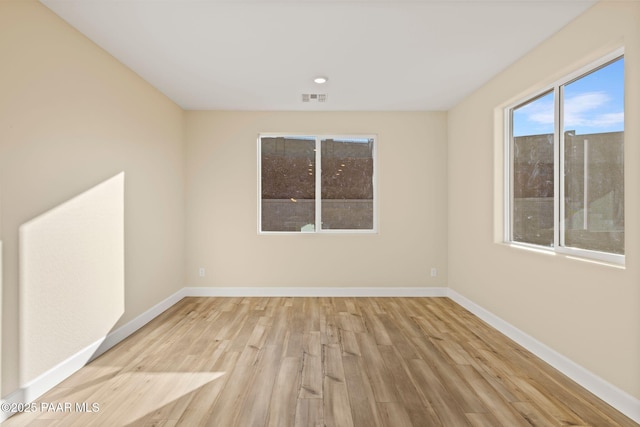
x=591 y=257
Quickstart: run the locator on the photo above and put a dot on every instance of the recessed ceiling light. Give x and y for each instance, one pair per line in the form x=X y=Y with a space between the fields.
x=321 y=80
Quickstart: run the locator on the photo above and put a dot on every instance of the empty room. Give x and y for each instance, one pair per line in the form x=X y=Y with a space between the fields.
x=320 y=213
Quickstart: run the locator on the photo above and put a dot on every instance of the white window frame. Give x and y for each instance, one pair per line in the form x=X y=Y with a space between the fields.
x=558 y=147
x=318 y=177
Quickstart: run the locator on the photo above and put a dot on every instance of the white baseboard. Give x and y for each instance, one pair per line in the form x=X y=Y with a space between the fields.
x=45 y=382
x=195 y=291
x=54 y=376
x=622 y=401
x=129 y=328
x=619 y=399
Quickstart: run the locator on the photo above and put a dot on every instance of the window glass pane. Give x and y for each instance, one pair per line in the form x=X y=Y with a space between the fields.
x=288 y=183
x=532 y=186
x=347 y=184
x=593 y=127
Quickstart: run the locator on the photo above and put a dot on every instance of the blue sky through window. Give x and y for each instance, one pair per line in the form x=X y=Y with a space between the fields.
x=592 y=104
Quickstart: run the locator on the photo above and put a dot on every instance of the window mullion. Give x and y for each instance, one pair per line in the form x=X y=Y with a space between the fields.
x=558 y=170
x=508 y=173
x=318 y=191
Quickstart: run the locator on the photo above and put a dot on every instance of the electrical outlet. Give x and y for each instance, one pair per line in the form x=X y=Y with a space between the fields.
x=201 y=272
x=434 y=272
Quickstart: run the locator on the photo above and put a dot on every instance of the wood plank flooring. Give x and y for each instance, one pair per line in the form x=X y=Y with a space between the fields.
x=319 y=362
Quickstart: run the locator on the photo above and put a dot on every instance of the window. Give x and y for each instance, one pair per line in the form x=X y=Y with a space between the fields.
x=316 y=183
x=565 y=156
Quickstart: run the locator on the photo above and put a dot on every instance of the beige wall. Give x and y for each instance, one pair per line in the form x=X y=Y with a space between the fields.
x=586 y=311
x=73 y=252
x=222 y=204
x=71 y=116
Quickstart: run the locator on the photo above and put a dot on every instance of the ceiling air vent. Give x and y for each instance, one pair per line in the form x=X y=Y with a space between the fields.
x=316 y=97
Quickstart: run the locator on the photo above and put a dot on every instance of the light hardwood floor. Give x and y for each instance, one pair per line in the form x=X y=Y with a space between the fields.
x=320 y=362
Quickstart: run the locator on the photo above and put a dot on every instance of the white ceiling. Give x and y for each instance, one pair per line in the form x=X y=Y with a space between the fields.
x=263 y=54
